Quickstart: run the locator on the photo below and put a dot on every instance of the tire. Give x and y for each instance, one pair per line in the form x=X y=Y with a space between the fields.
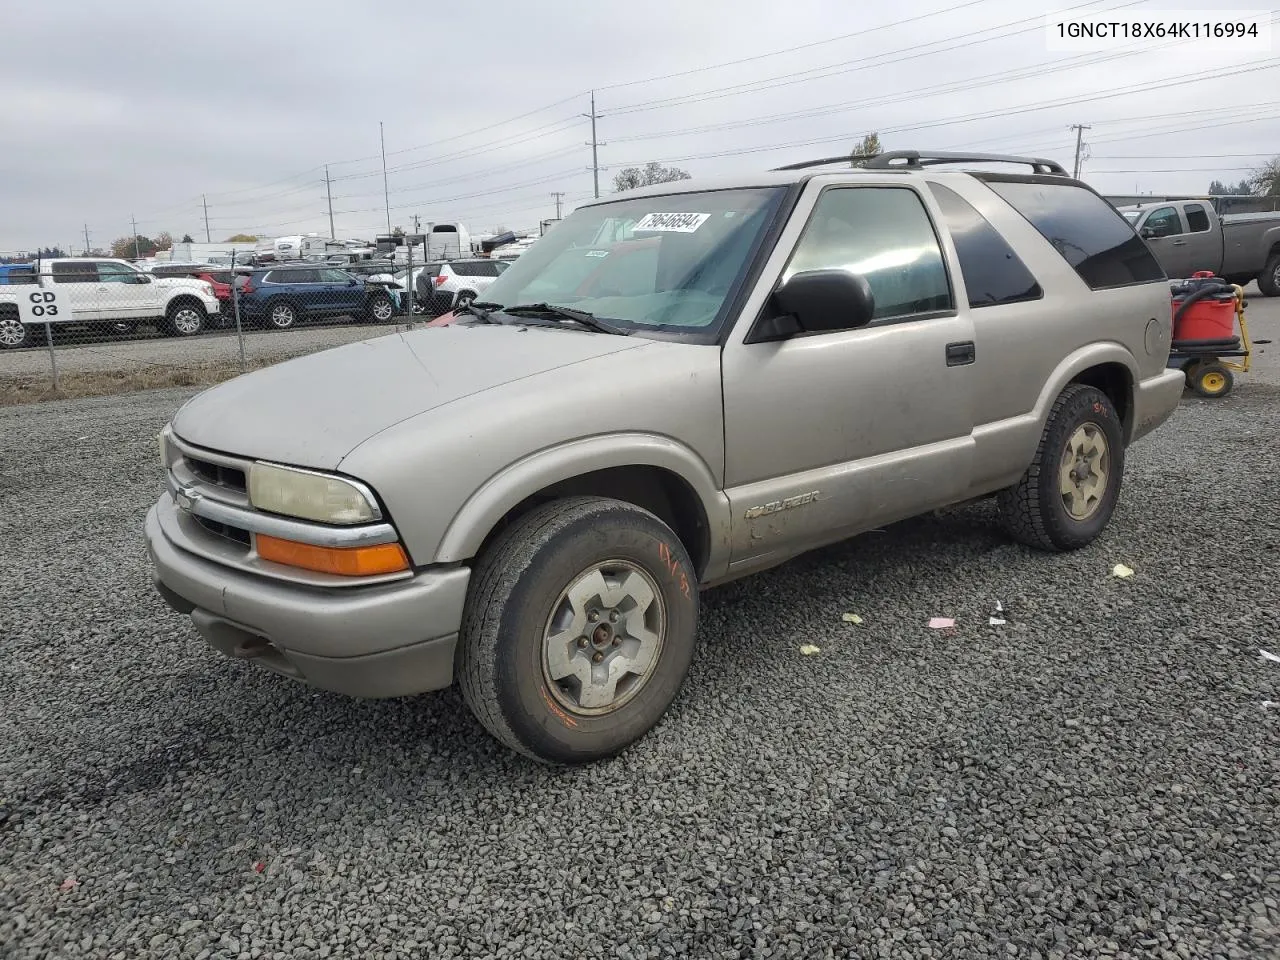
x=12 y=332
x=185 y=318
x=1034 y=510
x=1211 y=379
x=1269 y=279
x=518 y=597
x=379 y=309
x=463 y=298
x=281 y=315
x=119 y=328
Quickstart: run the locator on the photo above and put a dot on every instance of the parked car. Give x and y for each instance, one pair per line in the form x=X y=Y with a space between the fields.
x=283 y=296
x=1188 y=235
x=218 y=277
x=530 y=500
x=113 y=295
x=444 y=285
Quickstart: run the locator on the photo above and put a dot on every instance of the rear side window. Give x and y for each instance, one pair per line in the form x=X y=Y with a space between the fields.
x=993 y=273
x=1086 y=230
x=68 y=271
x=476 y=268
x=1197 y=219
x=18 y=275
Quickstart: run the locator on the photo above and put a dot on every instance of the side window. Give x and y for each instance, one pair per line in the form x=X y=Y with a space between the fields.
x=1087 y=232
x=115 y=273
x=334 y=276
x=70 y=271
x=884 y=234
x=304 y=276
x=1164 y=222
x=1197 y=219
x=993 y=273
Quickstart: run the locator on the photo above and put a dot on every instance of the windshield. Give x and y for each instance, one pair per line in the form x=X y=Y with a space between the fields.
x=662 y=263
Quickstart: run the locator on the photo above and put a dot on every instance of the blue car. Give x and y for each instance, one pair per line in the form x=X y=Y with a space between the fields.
x=282 y=296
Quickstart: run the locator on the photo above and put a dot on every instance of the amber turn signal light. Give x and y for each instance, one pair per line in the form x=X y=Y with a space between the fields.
x=340 y=561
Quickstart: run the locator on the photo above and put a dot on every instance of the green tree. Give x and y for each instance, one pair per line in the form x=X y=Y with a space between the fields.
x=127 y=248
x=241 y=238
x=1219 y=189
x=866 y=148
x=186 y=238
x=645 y=176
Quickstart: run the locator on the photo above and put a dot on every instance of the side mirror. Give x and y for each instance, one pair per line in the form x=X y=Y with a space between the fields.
x=1146 y=233
x=142 y=278
x=819 y=301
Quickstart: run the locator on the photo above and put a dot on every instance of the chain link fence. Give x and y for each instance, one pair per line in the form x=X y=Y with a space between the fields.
x=89 y=326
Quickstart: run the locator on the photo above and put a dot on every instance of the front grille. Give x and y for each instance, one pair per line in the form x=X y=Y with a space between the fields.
x=237 y=534
x=229 y=477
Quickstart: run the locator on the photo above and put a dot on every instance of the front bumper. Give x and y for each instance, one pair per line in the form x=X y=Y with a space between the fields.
x=1154 y=401
x=385 y=640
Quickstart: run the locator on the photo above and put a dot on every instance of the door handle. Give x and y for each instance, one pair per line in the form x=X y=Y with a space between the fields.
x=959 y=354
x=1179 y=243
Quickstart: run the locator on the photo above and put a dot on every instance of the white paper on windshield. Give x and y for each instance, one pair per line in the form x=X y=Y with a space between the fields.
x=597 y=253
x=671 y=223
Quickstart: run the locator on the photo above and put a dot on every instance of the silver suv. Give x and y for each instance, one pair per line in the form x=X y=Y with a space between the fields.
x=440 y=287
x=676 y=387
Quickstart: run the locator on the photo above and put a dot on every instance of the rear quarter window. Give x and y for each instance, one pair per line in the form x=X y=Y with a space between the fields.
x=993 y=273
x=1087 y=232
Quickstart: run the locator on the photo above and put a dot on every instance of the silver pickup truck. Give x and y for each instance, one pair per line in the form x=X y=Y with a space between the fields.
x=1187 y=236
x=677 y=386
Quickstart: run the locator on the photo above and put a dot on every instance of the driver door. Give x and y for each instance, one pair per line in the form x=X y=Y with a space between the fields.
x=125 y=293
x=1166 y=235
x=828 y=434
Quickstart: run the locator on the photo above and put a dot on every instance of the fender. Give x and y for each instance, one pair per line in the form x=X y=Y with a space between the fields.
x=1095 y=354
x=503 y=491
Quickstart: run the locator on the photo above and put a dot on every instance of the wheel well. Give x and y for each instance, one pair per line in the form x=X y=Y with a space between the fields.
x=1114 y=380
x=184 y=300
x=1274 y=251
x=661 y=492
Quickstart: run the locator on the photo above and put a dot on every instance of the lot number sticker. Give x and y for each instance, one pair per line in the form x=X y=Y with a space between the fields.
x=671 y=223
x=38 y=306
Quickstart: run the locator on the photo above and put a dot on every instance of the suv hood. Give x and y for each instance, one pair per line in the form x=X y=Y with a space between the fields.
x=191 y=282
x=312 y=411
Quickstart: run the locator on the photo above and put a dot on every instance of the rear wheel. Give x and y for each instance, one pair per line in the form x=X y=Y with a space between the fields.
x=1069 y=492
x=578 y=630
x=1269 y=279
x=379 y=309
x=463 y=298
x=12 y=333
x=282 y=314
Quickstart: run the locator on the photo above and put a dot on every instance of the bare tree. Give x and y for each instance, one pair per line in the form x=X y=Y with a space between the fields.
x=164 y=240
x=1266 y=179
x=649 y=174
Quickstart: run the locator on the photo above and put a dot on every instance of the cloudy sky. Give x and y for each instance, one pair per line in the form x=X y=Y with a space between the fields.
x=142 y=110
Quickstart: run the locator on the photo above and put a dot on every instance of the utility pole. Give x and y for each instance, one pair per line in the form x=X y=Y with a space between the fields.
x=137 y=254
x=415 y=223
x=386 y=194
x=328 y=192
x=1079 y=128
x=208 y=238
x=559 y=197
x=86 y=239
x=595 y=145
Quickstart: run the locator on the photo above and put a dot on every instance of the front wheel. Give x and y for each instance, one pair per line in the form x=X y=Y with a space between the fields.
x=1269 y=279
x=12 y=333
x=578 y=630
x=186 y=319
x=282 y=315
x=462 y=299
x=1069 y=492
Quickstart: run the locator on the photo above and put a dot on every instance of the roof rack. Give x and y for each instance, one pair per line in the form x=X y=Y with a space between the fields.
x=915 y=160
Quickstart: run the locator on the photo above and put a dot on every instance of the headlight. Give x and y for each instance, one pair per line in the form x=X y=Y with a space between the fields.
x=309 y=496
x=208 y=287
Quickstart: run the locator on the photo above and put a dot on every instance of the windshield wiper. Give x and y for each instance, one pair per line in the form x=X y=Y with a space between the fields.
x=479 y=311
x=548 y=311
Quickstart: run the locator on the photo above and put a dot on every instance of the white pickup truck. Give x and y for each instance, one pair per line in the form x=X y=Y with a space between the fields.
x=107 y=295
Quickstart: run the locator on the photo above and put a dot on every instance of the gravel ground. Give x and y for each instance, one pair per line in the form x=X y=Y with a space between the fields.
x=105 y=354
x=1098 y=777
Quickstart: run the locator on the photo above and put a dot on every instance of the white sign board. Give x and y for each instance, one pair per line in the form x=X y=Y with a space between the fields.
x=41 y=305
x=671 y=223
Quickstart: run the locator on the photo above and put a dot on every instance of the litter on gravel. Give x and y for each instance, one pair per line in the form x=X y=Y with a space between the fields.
x=1268 y=655
x=997 y=618
x=809 y=650
x=851 y=618
x=941 y=623
x=1121 y=571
